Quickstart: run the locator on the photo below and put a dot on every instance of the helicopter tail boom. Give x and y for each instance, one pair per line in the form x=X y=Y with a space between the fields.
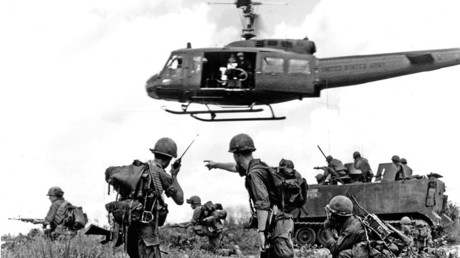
x=352 y=70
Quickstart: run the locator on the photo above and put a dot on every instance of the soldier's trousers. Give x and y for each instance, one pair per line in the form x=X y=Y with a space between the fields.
x=136 y=247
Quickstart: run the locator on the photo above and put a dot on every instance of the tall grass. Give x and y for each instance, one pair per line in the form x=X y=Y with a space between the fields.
x=173 y=242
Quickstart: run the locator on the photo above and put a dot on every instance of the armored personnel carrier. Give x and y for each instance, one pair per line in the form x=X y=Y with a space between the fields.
x=421 y=198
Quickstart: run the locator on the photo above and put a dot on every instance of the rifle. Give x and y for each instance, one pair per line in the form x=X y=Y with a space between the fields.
x=31 y=220
x=177 y=162
x=334 y=174
x=175 y=225
x=400 y=234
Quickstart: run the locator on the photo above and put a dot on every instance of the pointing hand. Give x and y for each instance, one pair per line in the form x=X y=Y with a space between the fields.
x=210 y=164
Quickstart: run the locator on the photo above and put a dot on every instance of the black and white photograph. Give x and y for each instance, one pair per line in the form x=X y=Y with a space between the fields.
x=230 y=128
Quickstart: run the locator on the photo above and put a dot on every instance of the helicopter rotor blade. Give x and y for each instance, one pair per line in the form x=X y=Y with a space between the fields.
x=221 y=3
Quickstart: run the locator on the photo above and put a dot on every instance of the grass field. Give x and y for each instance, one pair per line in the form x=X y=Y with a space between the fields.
x=174 y=243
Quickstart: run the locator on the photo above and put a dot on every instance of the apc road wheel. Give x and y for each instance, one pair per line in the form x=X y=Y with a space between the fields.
x=321 y=236
x=305 y=236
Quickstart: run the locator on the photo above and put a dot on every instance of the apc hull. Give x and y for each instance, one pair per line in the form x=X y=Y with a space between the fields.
x=420 y=199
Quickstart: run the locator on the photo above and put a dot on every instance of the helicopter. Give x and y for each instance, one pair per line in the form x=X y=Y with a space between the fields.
x=249 y=73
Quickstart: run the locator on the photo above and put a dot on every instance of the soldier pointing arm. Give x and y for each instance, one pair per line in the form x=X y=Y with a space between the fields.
x=271 y=222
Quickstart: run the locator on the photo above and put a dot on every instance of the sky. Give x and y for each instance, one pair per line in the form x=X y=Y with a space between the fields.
x=73 y=98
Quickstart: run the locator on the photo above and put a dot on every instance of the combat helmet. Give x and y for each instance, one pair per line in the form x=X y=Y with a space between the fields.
x=55 y=191
x=340 y=205
x=286 y=163
x=395 y=158
x=165 y=146
x=403 y=161
x=405 y=221
x=356 y=155
x=240 y=143
x=194 y=200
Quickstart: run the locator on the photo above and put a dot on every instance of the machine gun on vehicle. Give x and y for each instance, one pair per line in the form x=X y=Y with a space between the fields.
x=334 y=171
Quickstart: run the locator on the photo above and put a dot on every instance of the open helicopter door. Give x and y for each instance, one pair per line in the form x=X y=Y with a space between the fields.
x=287 y=73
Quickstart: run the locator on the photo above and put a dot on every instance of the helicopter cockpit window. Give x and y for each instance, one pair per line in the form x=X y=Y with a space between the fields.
x=298 y=66
x=174 y=65
x=272 y=65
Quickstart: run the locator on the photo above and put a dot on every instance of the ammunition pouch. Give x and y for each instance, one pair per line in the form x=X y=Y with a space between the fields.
x=162 y=214
x=125 y=211
x=252 y=223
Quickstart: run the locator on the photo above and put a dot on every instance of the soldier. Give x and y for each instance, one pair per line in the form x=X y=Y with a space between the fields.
x=204 y=224
x=407 y=169
x=400 y=175
x=422 y=235
x=349 y=228
x=334 y=172
x=54 y=220
x=406 y=226
x=143 y=238
x=262 y=194
x=244 y=64
x=321 y=179
x=363 y=165
x=195 y=204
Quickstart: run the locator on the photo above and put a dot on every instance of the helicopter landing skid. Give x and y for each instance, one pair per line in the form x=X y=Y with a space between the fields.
x=213 y=113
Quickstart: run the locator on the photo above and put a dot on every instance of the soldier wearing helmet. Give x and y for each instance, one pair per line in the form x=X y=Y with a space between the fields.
x=143 y=239
x=206 y=221
x=54 y=220
x=407 y=170
x=400 y=175
x=262 y=194
x=406 y=226
x=362 y=164
x=349 y=228
x=334 y=171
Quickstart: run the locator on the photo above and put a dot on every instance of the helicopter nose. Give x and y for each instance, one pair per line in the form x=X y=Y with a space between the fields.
x=151 y=86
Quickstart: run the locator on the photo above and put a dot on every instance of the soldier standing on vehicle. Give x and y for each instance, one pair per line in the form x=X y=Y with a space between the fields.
x=400 y=175
x=407 y=169
x=54 y=220
x=334 y=171
x=143 y=237
x=363 y=165
x=349 y=228
x=263 y=196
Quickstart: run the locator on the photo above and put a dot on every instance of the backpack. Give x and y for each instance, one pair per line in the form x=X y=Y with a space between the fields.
x=209 y=221
x=290 y=187
x=75 y=217
x=129 y=181
x=71 y=216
